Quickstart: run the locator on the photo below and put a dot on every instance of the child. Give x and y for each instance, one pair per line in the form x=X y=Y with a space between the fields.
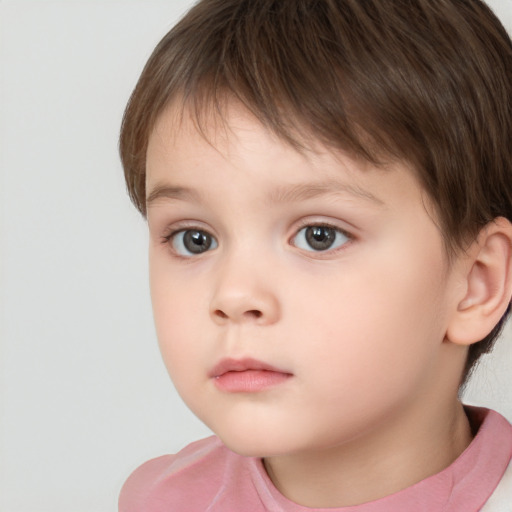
x=328 y=190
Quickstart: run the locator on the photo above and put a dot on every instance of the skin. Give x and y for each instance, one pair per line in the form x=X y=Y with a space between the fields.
x=371 y=404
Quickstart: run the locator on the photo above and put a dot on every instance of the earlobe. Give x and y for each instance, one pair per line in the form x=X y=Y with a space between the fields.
x=488 y=284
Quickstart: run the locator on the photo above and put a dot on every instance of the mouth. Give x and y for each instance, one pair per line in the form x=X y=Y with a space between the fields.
x=247 y=375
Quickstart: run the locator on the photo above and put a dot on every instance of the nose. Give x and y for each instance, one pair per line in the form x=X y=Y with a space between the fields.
x=244 y=295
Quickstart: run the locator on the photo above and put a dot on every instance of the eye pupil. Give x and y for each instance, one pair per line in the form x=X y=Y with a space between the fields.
x=196 y=241
x=320 y=238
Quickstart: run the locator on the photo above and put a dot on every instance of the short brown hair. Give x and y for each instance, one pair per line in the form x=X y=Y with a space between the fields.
x=425 y=81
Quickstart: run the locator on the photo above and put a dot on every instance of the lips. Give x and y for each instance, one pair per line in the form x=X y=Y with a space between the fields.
x=247 y=375
x=241 y=365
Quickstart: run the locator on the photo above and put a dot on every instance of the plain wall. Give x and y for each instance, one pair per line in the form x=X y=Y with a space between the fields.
x=84 y=397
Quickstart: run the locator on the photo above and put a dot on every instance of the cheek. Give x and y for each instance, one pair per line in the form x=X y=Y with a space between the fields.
x=174 y=319
x=178 y=339
x=378 y=329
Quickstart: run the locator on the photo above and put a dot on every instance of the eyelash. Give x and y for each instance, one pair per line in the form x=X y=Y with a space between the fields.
x=167 y=238
x=308 y=223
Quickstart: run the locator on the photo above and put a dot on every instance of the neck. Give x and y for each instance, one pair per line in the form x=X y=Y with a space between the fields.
x=393 y=457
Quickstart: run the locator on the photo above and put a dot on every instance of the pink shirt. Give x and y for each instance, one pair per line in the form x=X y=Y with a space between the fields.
x=207 y=476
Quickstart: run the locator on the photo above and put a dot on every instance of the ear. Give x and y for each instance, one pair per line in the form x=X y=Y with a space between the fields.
x=487 y=286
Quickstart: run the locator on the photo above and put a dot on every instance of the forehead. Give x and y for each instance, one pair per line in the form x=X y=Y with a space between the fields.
x=224 y=119
x=223 y=126
x=233 y=131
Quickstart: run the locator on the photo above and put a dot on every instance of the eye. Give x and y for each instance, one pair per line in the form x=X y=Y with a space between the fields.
x=319 y=238
x=190 y=242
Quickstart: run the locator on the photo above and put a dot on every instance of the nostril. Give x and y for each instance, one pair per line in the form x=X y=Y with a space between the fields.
x=250 y=314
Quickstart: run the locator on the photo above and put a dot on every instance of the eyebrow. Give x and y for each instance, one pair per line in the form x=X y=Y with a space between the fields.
x=170 y=192
x=282 y=194
x=303 y=191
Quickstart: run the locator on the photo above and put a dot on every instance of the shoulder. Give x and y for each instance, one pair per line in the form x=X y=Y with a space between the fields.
x=192 y=477
x=498 y=431
x=501 y=499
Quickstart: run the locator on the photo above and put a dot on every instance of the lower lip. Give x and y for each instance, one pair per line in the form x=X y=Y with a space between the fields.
x=250 y=381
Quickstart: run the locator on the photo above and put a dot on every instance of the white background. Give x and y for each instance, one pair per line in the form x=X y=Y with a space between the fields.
x=84 y=397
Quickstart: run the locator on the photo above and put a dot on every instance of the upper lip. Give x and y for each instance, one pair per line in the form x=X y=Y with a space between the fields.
x=241 y=365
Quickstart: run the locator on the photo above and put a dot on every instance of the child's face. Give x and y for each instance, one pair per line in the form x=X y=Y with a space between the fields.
x=325 y=269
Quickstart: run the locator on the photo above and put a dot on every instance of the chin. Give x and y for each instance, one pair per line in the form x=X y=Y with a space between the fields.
x=253 y=450
x=244 y=445
x=250 y=445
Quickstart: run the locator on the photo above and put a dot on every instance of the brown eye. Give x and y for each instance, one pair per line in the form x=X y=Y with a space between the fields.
x=190 y=242
x=319 y=238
